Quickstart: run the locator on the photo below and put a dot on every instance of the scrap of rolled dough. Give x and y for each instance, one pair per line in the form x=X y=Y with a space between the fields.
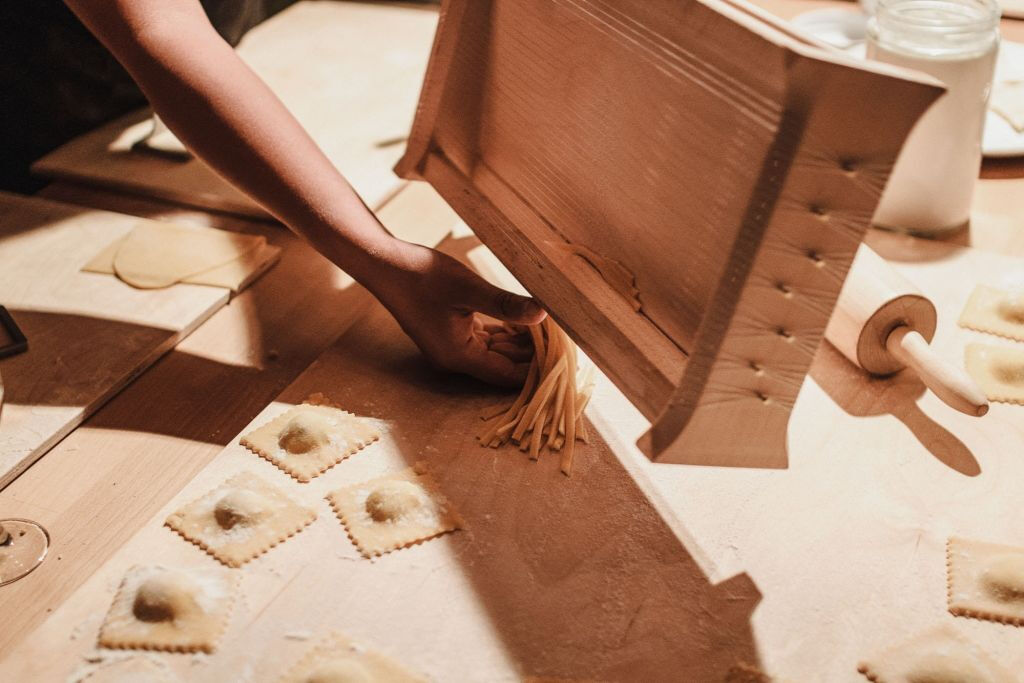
x=233 y=275
x=940 y=655
x=339 y=660
x=1007 y=100
x=242 y=518
x=309 y=439
x=393 y=511
x=998 y=370
x=986 y=580
x=155 y=255
x=177 y=610
x=995 y=311
x=130 y=670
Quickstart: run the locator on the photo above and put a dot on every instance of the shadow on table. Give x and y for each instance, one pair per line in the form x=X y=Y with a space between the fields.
x=277 y=327
x=580 y=575
x=862 y=395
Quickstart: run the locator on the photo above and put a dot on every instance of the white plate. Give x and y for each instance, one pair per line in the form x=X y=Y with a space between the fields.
x=846 y=29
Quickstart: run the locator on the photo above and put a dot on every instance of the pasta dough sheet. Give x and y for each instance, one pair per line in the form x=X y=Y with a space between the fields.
x=177 y=610
x=131 y=670
x=339 y=659
x=240 y=519
x=986 y=580
x=940 y=654
x=393 y=511
x=233 y=275
x=998 y=370
x=995 y=311
x=155 y=255
x=309 y=439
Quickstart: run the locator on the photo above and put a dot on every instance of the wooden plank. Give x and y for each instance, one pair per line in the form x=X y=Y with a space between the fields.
x=96 y=488
x=727 y=165
x=89 y=334
x=571 y=578
x=550 y=580
x=349 y=72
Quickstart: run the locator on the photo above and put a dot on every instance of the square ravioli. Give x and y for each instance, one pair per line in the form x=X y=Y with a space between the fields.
x=177 y=610
x=940 y=654
x=998 y=370
x=240 y=519
x=995 y=311
x=309 y=439
x=339 y=659
x=393 y=511
x=986 y=580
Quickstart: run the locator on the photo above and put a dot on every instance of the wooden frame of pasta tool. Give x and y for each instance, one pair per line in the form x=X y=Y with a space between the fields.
x=682 y=183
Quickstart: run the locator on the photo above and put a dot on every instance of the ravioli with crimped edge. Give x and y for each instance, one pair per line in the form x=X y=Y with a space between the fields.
x=242 y=518
x=310 y=438
x=985 y=580
x=176 y=610
x=394 y=511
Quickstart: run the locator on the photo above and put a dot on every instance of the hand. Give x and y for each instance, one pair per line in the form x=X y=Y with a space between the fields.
x=436 y=300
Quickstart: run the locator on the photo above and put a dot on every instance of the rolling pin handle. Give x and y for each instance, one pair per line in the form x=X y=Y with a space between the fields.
x=949 y=383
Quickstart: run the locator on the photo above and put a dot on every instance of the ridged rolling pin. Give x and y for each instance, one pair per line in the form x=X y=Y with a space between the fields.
x=883 y=324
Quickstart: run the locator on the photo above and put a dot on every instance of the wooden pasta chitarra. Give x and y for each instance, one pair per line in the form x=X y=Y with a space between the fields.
x=682 y=183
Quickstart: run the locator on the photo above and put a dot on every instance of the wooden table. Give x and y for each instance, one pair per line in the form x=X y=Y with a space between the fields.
x=99 y=486
x=94 y=489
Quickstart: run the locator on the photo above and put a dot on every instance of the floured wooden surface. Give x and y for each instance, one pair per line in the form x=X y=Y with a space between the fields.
x=848 y=544
x=349 y=72
x=88 y=334
x=567 y=578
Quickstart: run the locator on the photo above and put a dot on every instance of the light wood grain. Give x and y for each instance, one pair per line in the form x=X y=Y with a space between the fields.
x=349 y=72
x=549 y=580
x=97 y=487
x=89 y=334
x=570 y=578
x=710 y=151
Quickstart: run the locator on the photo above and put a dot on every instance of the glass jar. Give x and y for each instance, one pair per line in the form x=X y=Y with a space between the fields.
x=956 y=41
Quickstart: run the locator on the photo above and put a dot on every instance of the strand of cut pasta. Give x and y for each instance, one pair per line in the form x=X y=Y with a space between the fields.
x=548 y=413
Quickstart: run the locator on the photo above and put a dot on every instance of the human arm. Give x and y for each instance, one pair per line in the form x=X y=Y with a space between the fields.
x=228 y=117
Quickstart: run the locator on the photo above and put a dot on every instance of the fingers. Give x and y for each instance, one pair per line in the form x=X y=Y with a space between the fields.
x=493 y=367
x=504 y=363
x=504 y=305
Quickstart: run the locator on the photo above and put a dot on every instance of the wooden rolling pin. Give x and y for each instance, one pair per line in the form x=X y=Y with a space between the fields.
x=883 y=324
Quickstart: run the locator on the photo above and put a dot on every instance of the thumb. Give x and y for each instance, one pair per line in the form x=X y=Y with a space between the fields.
x=512 y=308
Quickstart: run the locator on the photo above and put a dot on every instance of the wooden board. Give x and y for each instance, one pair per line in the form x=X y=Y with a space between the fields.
x=88 y=334
x=152 y=438
x=349 y=72
x=596 y=577
x=576 y=578
x=726 y=164
x=848 y=545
